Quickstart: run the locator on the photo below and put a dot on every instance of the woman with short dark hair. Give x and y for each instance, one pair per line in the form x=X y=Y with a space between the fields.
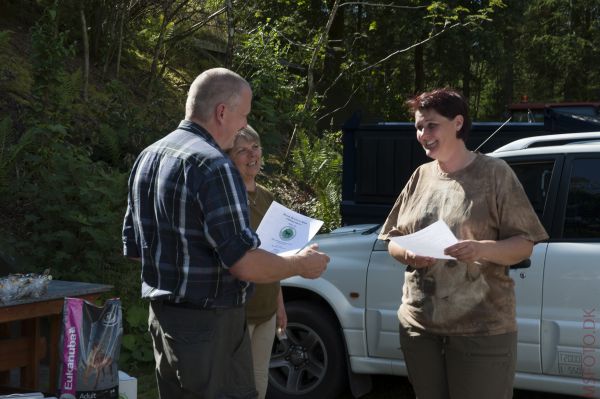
x=458 y=328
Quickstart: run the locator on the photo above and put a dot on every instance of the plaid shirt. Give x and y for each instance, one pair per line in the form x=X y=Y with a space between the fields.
x=187 y=219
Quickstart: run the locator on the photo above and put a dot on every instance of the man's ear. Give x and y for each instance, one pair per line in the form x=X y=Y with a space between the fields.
x=220 y=112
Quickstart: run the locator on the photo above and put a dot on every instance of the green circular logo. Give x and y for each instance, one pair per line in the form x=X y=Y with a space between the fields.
x=287 y=233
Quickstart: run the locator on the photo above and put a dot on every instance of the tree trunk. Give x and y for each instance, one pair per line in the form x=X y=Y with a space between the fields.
x=335 y=95
x=479 y=68
x=86 y=52
x=124 y=14
x=466 y=76
x=507 y=83
x=110 y=35
x=163 y=63
x=230 y=34
x=157 y=47
x=419 y=66
x=310 y=79
x=168 y=17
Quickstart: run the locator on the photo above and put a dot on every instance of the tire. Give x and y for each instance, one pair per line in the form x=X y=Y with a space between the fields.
x=311 y=363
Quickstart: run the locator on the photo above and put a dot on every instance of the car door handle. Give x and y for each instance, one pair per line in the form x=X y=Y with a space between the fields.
x=524 y=264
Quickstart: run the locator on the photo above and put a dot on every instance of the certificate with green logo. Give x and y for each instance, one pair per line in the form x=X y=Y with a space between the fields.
x=284 y=232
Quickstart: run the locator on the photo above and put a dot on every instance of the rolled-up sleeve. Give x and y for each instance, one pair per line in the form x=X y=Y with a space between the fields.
x=225 y=208
x=130 y=246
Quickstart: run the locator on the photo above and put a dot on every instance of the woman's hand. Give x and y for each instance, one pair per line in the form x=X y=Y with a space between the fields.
x=505 y=252
x=468 y=251
x=417 y=261
x=408 y=257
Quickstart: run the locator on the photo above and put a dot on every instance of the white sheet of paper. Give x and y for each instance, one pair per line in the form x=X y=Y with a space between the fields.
x=283 y=231
x=430 y=241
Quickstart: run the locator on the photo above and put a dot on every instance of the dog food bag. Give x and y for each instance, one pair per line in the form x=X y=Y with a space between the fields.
x=90 y=343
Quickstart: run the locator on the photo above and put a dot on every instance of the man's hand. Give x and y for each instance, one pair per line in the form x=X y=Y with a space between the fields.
x=260 y=266
x=281 y=314
x=311 y=263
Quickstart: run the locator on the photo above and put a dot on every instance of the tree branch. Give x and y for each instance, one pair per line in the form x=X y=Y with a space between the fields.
x=362 y=3
x=297 y=44
x=313 y=60
x=86 y=52
x=342 y=107
x=230 y=34
x=192 y=29
x=409 y=48
x=335 y=81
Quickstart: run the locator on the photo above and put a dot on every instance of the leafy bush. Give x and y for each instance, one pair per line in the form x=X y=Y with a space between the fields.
x=137 y=343
x=70 y=206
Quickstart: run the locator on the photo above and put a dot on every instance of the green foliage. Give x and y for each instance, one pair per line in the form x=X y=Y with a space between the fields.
x=124 y=122
x=568 y=41
x=64 y=165
x=50 y=48
x=7 y=154
x=136 y=342
x=442 y=13
x=70 y=213
x=275 y=89
x=70 y=206
x=15 y=76
x=4 y=38
x=317 y=166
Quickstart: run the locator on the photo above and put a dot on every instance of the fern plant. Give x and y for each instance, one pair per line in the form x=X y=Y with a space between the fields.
x=316 y=163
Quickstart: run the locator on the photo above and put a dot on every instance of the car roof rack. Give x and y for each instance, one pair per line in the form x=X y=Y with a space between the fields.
x=550 y=140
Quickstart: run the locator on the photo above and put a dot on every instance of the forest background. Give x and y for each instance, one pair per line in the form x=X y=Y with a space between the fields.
x=85 y=85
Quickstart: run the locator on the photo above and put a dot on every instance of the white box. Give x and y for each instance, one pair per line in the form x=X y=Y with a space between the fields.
x=127 y=386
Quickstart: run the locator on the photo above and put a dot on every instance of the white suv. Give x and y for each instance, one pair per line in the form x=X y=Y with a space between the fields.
x=345 y=325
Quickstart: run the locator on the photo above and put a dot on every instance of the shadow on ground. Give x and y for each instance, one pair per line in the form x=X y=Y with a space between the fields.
x=394 y=387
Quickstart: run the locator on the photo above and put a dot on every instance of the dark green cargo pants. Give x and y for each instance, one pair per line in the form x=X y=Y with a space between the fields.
x=201 y=354
x=460 y=367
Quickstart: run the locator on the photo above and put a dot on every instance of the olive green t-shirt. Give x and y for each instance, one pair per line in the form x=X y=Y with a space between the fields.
x=483 y=201
x=263 y=304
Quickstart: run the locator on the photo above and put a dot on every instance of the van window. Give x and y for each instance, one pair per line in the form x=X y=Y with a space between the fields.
x=535 y=179
x=582 y=216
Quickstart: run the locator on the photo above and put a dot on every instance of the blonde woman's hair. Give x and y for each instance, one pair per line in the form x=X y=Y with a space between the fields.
x=248 y=133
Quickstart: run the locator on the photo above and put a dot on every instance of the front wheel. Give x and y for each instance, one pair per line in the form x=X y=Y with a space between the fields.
x=311 y=363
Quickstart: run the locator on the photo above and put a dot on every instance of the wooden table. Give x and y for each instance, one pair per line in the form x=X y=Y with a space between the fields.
x=26 y=350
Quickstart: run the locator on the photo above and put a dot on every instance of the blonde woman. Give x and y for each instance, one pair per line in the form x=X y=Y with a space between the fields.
x=265 y=311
